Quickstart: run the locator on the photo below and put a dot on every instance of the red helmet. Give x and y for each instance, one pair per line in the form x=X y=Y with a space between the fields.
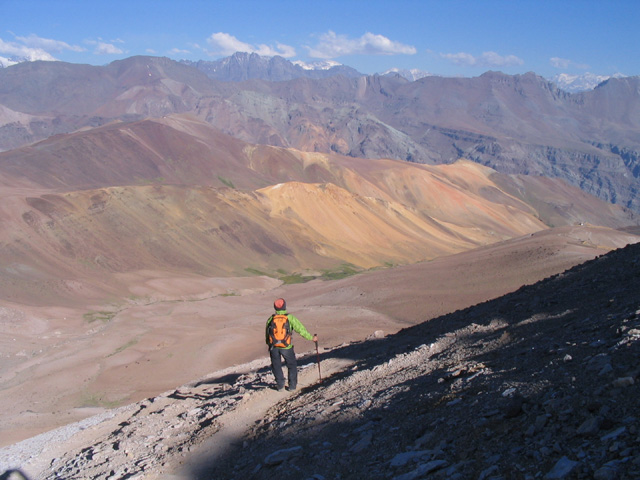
x=280 y=304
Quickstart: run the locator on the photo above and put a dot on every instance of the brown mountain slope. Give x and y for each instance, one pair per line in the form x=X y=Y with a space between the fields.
x=322 y=212
x=139 y=153
x=53 y=239
x=184 y=150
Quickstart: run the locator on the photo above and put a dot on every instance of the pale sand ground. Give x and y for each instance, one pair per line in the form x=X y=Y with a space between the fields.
x=57 y=368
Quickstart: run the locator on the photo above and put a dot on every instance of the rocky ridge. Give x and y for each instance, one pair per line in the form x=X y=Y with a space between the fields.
x=540 y=383
x=243 y=66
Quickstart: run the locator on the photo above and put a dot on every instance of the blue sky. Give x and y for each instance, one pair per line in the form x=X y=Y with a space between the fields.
x=447 y=37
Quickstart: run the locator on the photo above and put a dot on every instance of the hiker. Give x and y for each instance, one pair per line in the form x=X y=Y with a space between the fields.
x=280 y=328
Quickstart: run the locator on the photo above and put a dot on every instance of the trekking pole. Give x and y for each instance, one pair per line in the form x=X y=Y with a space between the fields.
x=318 y=361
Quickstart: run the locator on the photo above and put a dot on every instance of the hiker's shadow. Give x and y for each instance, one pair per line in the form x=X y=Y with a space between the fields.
x=224 y=385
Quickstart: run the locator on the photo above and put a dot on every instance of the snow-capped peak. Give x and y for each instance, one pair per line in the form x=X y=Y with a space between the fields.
x=412 y=74
x=580 y=83
x=323 y=65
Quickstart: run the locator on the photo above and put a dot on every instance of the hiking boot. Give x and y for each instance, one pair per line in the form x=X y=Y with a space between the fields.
x=291 y=388
x=279 y=387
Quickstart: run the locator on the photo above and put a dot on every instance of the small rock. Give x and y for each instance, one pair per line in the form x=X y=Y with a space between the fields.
x=422 y=470
x=401 y=459
x=279 y=456
x=422 y=440
x=623 y=382
x=606 y=472
x=509 y=392
x=363 y=443
x=376 y=334
x=561 y=469
x=613 y=435
x=605 y=370
x=590 y=426
x=513 y=407
x=487 y=472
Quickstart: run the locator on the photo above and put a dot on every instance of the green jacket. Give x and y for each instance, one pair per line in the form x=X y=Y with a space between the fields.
x=296 y=326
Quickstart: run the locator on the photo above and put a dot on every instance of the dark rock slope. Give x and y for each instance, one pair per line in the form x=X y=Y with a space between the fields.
x=541 y=383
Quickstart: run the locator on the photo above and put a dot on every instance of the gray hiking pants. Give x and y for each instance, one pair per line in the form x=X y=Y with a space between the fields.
x=277 y=354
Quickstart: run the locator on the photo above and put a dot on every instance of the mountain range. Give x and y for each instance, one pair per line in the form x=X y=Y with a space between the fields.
x=150 y=214
x=519 y=124
x=243 y=66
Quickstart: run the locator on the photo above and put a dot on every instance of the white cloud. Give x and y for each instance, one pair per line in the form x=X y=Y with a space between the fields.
x=460 y=58
x=22 y=51
x=178 y=51
x=487 y=59
x=103 y=48
x=225 y=44
x=33 y=47
x=332 y=45
x=286 y=51
x=559 y=62
x=564 y=63
x=48 y=44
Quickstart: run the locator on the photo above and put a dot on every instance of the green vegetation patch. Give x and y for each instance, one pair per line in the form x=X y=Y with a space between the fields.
x=103 y=316
x=345 y=270
x=121 y=348
x=97 y=399
x=295 y=278
x=226 y=181
x=255 y=271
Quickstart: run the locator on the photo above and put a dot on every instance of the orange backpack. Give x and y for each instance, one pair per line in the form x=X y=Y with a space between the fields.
x=280 y=331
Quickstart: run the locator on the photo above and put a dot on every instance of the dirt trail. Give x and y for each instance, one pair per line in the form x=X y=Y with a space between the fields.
x=176 y=435
x=234 y=424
